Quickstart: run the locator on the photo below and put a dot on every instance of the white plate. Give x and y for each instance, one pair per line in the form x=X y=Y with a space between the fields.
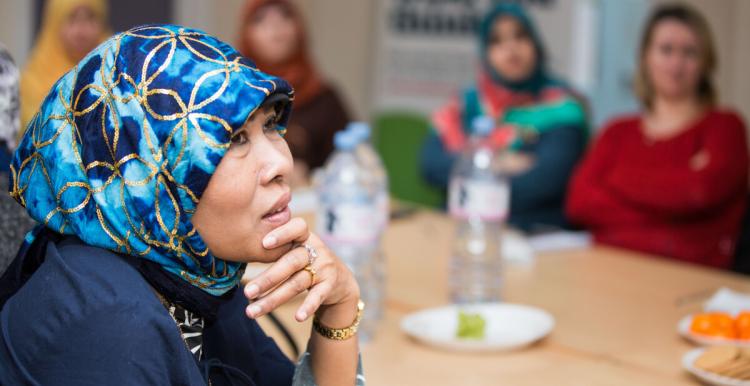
x=508 y=326
x=688 y=363
x=683 y=328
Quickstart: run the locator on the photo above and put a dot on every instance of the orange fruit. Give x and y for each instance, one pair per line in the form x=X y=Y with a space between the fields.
x=724 y=325
x=714 y=324
x=742 y=324
x=701 y=324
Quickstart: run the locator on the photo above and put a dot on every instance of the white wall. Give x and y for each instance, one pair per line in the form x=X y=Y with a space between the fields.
x=728 y=20
x=343 y=33
x=341 y=45
x=16 y=28
x=740 y=73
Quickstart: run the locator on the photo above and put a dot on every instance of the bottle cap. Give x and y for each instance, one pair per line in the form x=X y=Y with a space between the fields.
x=344 y=140
x=483 y=125
x=360 y=130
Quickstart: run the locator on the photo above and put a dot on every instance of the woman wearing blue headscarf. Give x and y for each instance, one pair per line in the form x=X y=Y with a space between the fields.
x=540 y=124
x=157 y=169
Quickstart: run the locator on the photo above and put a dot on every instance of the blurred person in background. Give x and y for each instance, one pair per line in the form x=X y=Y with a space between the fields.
x=9 y=107
x=69 y=30
x=14 y=222
x=547 y=122
x=273 y=33
x=672 y=180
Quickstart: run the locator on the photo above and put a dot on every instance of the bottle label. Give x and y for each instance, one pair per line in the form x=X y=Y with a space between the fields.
x=488 y=200
x=384 y=209
x=349 y=223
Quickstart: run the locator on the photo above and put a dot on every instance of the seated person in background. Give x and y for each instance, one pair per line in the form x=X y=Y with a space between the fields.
x=672 y=180
x=9 y=109
x=273 y=33
x=69 y=30
x=14 y=222
x=515 y=89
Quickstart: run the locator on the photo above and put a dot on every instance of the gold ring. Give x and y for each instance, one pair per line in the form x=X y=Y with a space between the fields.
x=311 y=271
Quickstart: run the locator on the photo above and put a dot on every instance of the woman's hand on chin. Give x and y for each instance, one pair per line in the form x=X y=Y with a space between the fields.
x=334 y=292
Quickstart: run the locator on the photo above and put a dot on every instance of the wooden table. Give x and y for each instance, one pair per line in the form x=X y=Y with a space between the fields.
x=616 y=314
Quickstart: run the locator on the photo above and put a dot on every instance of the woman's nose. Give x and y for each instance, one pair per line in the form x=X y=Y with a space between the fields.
x=277 y=164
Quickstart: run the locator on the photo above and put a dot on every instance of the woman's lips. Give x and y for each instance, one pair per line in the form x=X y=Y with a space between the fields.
x=280 y=217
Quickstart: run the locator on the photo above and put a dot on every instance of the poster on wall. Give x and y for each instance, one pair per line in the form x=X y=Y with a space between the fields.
x=427 y=49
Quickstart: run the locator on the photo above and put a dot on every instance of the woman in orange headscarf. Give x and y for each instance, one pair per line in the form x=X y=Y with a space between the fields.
x=70 y=29
x=272 y=32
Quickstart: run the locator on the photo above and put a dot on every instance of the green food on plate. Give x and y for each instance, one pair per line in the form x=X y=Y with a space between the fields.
x=470 y=326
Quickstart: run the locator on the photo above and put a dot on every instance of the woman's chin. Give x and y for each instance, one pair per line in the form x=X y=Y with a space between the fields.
x=267 y=256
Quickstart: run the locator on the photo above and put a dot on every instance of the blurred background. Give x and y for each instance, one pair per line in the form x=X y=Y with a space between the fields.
x=399 y=94
x=380 y=59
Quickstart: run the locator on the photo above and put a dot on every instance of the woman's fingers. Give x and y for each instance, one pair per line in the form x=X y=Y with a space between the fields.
x=293 y=261
x=313 y=300
x=287 y=278
x=294 y=231
x=298 y=283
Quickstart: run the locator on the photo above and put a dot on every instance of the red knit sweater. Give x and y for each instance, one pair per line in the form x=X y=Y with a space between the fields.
x=641 y=194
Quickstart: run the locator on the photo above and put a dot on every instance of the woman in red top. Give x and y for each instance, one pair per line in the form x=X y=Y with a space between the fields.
x=672 y=181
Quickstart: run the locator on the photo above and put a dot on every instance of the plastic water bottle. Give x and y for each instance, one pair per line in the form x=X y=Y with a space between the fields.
x=370 y=159
x=478 y=201
x=347 y=221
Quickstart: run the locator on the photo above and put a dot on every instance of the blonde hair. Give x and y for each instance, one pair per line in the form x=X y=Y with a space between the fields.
x=697 y=23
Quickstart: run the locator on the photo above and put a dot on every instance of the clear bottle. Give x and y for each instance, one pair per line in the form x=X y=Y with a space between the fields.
x=347 y=221
x=370 y=159
x=478 y=201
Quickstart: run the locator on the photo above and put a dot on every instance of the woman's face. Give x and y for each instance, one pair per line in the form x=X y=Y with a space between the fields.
x=248 y=194
x=273 y=33
x=673 y=61
x=80 y=32
x=510 y=50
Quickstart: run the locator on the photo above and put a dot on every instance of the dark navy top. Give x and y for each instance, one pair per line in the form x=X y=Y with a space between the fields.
x=88 y=317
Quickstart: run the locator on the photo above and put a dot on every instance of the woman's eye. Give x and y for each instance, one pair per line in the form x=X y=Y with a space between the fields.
x=239 y=138
x=270 y=125
x=521 y=35
x=691 y=52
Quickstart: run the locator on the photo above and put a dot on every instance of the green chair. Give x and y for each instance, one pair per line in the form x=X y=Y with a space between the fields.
x=398 y=138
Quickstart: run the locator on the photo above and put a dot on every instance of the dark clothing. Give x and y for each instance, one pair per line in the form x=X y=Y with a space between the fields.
x=537 y=196
x=5 y=158
x=742 y=257
x=86 y=316
x=14 y=223
x=312 y=126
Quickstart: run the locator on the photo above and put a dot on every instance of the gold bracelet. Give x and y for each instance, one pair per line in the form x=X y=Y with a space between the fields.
x=340 y=333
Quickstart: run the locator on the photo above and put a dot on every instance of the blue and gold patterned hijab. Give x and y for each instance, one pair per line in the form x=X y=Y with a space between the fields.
x=124 y=145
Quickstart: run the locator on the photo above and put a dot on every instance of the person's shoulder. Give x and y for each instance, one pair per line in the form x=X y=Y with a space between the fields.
x=726 y=117
x=102 y=270
x=621 y=125
x=82 y=284
x=328 y=97
x=623 y=122
x=329 y=92
x=93 y=304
